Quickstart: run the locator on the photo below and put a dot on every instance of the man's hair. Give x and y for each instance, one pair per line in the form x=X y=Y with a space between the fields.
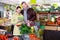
x=23 y=2
x=18 y=7
x=7 y=10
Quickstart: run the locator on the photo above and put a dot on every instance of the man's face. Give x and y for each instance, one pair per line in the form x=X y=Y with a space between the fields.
x=18 y=10
x=24 y=5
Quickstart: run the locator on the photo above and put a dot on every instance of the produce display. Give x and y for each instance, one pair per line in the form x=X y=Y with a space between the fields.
x=35 y=32
x=31 y=31
x=41 y=8
x=3 y=37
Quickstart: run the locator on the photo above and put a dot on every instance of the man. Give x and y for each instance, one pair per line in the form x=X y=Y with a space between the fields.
x=27 y=16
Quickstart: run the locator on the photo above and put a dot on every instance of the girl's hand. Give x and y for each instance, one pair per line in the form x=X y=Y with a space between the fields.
x=18 y=24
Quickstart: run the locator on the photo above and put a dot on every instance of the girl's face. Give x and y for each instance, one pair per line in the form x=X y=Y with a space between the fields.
x=18 y=10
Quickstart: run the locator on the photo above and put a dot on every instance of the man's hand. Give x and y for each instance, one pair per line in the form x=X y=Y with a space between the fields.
x=28 y=21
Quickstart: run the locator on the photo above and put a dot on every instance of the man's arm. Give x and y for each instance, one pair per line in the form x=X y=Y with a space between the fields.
x=33 y=17
x=32 y=14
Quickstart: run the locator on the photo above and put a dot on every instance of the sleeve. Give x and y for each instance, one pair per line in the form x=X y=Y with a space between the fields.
x=33 y=15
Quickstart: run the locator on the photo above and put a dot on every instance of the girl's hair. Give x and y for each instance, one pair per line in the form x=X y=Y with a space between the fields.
x=18 y=7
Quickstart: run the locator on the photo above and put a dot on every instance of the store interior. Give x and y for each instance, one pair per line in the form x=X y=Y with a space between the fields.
x=45 y=27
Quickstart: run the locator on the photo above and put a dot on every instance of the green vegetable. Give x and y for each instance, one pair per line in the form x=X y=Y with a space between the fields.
x=25 y=29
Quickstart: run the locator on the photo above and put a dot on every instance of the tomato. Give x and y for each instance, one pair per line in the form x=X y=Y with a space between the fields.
x=58 y=22
x=35 y=38
x=32 y=35
x=16 y=38
x=3 y=37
